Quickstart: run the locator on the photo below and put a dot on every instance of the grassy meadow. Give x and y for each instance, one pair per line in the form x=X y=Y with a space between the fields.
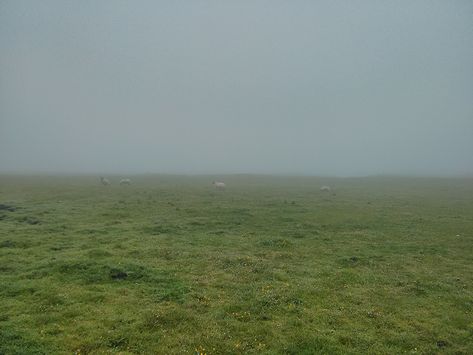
x=272 y=265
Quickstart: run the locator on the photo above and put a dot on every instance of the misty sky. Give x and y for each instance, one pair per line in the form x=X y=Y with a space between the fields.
x=293 y=87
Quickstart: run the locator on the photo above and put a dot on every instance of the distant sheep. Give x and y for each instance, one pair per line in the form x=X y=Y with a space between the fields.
x=326 y=188
x=219 y=185
x=104 y=181
x=125 y=182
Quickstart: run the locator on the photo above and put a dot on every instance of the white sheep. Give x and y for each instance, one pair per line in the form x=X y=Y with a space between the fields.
x=104 y=181
x=219 y=185
x=125 y=182
x=326 y=188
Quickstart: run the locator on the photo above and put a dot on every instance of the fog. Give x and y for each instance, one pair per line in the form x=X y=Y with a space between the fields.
x=343 y=88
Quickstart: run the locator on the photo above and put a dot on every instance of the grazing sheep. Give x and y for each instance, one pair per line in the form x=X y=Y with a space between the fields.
x=125 y=182
x=104 y=181
x=325 y=188
x=219 y=185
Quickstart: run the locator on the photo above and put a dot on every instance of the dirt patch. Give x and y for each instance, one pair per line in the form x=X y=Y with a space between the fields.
x=117 y=274
x=30 y=220
x=9 y=208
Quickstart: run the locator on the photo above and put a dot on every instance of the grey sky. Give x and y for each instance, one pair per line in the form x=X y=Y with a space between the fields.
x=310 y=87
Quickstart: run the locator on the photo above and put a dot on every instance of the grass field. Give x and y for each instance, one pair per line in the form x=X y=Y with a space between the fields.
x=272 y=265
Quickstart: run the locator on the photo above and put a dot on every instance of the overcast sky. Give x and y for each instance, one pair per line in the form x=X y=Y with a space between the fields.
x=294 y=87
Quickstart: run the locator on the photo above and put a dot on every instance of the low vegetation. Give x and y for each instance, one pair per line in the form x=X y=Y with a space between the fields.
x=271 y=265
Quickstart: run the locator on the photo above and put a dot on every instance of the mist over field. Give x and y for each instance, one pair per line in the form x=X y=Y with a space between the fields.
x=322 y=88
x=236 y=177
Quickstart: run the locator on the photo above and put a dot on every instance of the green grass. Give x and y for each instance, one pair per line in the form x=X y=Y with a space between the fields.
x=272 y=265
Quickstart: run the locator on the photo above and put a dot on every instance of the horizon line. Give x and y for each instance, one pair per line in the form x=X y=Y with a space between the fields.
x=274 y=174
